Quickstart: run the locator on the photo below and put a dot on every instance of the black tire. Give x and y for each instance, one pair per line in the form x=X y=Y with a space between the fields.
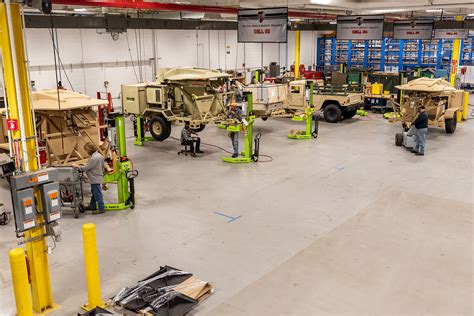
x=398 y=139
x=332 y=113
x=450 y=124
x=200 y=129
x=349 y=114
x=160 y=129
x=264 y=118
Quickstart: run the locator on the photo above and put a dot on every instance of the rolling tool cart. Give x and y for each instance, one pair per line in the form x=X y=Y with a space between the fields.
x=70 y=189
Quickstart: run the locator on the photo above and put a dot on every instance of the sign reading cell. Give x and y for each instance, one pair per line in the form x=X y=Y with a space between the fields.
x=452 y=33
x=12 y=125
x=361 y=27
x=263 y=25
x=412 y=30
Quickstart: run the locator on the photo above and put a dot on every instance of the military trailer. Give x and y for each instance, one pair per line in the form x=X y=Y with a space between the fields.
x=338 y=102
x=441 y=101
x=267 y=98
x=195 y=95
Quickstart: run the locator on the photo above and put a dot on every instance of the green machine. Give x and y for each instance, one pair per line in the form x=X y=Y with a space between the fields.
x=246 y=127
x=123 y=173
x=139 y=130
x=307 y=117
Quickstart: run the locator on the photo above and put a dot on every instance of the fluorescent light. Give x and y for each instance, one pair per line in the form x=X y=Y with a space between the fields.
x=323 y=2
x=434 y=10
x=332 y=22
x=470 y=14
x=80 y=10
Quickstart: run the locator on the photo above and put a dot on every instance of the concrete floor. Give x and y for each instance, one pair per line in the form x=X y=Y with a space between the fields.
x=311 y=190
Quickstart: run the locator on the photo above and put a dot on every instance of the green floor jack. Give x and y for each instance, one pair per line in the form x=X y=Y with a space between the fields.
x=123 y=175
x=307 y=117
x=139 y=131
x=247 y=128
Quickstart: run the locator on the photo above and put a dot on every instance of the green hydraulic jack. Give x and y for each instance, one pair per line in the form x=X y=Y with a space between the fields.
x=139 y=131
x=249 y=141
x=123 y=175
x=308 y=116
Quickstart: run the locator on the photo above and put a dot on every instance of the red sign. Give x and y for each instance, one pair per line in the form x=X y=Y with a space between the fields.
x=12 y=125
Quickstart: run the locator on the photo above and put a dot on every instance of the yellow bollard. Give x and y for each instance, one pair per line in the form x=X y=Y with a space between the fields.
x=91 y=261
x=465 y=107
x=21 y=286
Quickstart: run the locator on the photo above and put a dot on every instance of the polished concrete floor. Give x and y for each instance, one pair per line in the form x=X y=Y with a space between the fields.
x=290 y=214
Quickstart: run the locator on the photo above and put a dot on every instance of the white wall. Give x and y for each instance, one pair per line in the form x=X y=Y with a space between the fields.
x=210 y=49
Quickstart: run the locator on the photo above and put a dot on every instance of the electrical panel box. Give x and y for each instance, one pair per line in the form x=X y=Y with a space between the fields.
x=29 y=179
x=51 y=201
x=134 y=98
x=154 y=95
x=25 y=209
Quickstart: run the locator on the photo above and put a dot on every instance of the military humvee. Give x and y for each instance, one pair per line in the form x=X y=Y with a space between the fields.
x=195 y=95
x=442 y=102
x=338 y=102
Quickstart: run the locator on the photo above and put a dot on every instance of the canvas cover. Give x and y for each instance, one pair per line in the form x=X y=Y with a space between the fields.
x=427 y=85
x=176 y=74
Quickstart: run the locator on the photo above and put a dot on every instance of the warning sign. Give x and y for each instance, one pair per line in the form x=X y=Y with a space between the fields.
x=12 y=125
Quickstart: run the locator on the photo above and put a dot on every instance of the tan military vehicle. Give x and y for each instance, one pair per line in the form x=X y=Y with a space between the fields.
x=195 y=95
x=337 y=102
x=442 y=102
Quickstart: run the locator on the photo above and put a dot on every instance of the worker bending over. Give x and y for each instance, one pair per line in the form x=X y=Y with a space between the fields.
x=235 y=113
x=187 y=138
x=421 y=126
x=95 y=173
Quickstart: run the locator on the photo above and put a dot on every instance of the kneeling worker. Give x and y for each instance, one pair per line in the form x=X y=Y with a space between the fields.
x=95 y=173
x=235 y=113
x=188 y=139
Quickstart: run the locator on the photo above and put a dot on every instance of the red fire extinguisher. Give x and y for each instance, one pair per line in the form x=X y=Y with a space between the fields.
x=42 y=153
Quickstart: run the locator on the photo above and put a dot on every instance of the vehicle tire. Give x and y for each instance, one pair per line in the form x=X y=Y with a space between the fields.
x=264 y=118
x=200 y=129
x=349 y=114
x=332 y=113
x=450 y=124
x=160 y=129
x=398 y=139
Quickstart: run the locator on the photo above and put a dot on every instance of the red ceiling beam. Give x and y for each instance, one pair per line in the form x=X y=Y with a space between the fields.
x=157 y=6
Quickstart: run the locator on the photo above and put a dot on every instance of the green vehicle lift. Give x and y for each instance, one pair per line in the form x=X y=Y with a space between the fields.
x=123 y=174
x=139 y=130
x=309 y=132
x=249 y=141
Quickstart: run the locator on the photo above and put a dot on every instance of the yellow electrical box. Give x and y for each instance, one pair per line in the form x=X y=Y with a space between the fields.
x=377 y=88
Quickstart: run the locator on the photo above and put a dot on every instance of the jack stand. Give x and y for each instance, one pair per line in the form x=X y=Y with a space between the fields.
x=309 y=132
x=123 y=174
x=139 y=131
x=248 y=156
x=308 y=117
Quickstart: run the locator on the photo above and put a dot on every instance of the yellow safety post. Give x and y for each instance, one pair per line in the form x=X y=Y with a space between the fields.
x=91 y=260
x=24 y=145
x=21 y=286
x=465 y=106
x=455 y=54
x=297 y=54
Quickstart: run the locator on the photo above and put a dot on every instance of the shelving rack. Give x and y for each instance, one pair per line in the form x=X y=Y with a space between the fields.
x=392 y=54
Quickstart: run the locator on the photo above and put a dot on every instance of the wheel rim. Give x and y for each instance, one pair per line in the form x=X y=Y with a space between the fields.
x=157 y=128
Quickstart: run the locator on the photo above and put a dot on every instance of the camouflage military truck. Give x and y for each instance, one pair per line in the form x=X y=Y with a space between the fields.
x=338 y=102
x=442 y=103
x=179 y=95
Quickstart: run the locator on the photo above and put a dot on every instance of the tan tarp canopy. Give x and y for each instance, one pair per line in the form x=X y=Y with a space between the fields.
x=175 y=74
x=427 y=85
x=47 y=100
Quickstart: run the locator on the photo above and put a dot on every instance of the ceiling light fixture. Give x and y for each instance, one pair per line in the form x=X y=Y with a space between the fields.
x=322 y=2
x=434 y=10
x=80 y=10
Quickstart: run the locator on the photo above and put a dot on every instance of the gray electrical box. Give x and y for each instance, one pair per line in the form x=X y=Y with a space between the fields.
x=51 y=201
x=25 y=209
x=29 y=179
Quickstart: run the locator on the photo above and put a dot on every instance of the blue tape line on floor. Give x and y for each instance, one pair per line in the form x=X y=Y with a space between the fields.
x=228 y=216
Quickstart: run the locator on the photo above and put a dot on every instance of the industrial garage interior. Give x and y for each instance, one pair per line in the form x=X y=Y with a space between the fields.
x=236 y=157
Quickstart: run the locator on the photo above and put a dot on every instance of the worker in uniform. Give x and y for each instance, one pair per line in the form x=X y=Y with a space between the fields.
x=194 y=142
x=421 y=126
x=235 y=113
x=94 y=170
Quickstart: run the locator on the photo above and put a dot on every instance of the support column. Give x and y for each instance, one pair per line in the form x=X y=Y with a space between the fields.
x=455 y=54
x=297 y=54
